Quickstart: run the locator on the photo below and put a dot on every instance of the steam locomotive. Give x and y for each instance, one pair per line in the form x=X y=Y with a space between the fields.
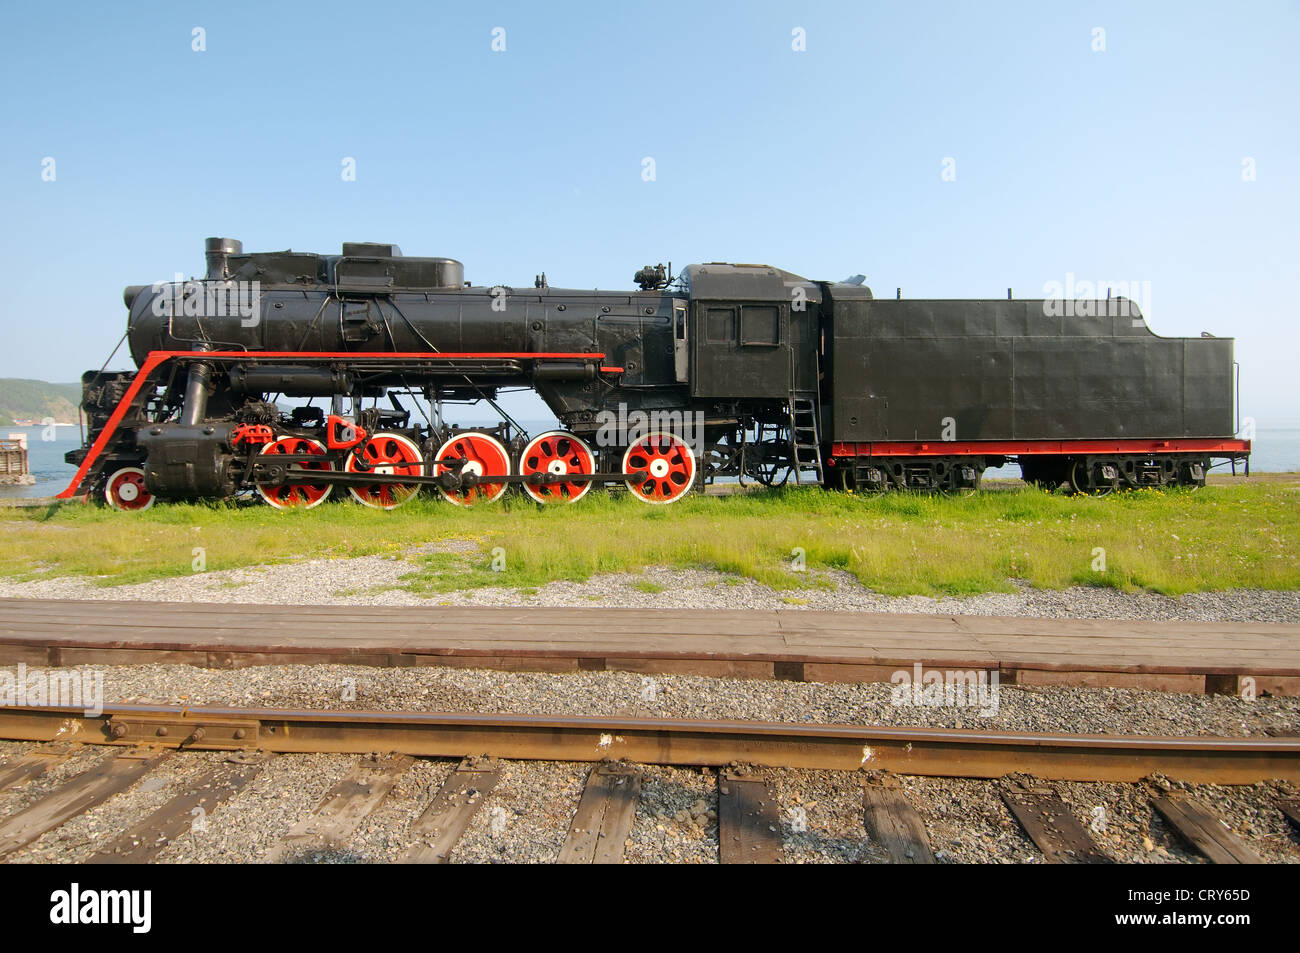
x=293 y=377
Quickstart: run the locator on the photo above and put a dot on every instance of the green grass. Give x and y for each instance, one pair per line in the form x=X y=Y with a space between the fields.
x=1167 y=541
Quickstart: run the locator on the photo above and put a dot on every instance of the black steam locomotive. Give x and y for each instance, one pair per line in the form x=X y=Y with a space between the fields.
x=296 y=376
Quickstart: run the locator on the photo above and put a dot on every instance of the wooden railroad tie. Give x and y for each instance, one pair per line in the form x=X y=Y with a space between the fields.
x=1052 y=826
x=1201 y=828
x=34 y=763
x=90 y=788
x=749 y=826
x=185 y=813
x=1290 y=808
x=893 y=823
x=342 y=810
x=436 y=831
x=604 y=817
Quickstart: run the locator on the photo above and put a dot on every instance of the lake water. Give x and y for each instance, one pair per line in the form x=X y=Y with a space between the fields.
x=44 y=460
x=1276 y=450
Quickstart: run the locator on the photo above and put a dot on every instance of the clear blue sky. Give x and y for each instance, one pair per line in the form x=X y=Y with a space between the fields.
x=1122 y=165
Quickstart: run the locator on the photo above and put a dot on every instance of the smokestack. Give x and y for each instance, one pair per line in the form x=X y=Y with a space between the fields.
x=218 y=252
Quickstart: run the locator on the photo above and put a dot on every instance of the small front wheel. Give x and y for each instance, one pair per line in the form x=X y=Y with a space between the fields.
x=126 y=490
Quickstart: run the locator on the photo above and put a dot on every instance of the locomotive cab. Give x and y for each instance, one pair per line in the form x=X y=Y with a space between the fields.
x=753 y=331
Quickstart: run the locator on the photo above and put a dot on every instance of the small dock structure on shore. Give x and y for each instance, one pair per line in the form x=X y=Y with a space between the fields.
x=13 y=461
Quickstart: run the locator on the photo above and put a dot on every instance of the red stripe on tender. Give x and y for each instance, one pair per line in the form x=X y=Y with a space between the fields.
x=156 y=358
x=942 y=448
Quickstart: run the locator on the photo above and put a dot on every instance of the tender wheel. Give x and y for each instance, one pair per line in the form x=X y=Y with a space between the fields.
x=483 y=455
x=558 y=453
x=1192 y=474
x=125 y=490
x=297 y=495
x=668 y=465
x=1081 y=481
x=389 y=454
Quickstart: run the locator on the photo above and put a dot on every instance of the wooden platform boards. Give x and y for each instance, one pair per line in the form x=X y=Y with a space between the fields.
x=784 y=644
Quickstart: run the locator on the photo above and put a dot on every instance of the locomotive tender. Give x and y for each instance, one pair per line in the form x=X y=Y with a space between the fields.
x=728 y=370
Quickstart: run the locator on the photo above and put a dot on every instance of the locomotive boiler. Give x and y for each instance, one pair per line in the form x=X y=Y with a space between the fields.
x=293 y=377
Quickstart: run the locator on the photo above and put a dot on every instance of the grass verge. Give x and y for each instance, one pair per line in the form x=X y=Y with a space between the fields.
x=1172 y=542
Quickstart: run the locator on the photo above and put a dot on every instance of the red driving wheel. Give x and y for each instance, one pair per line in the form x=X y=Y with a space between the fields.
x=483 y=456
x=386 y=454
x=294 y=495
x=557 y=453
x=667 y=468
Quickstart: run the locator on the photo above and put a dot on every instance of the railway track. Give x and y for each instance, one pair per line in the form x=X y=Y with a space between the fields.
x=201 y=759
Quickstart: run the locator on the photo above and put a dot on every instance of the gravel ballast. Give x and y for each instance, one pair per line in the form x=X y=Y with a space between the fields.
x=376 y=580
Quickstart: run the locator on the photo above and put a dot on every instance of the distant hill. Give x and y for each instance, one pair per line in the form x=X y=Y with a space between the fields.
x=35 y=400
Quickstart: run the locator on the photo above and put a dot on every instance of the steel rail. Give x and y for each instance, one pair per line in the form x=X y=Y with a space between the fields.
x=937 y=752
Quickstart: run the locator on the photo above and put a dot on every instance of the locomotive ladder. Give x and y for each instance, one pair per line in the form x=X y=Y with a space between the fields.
x=804 y=439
